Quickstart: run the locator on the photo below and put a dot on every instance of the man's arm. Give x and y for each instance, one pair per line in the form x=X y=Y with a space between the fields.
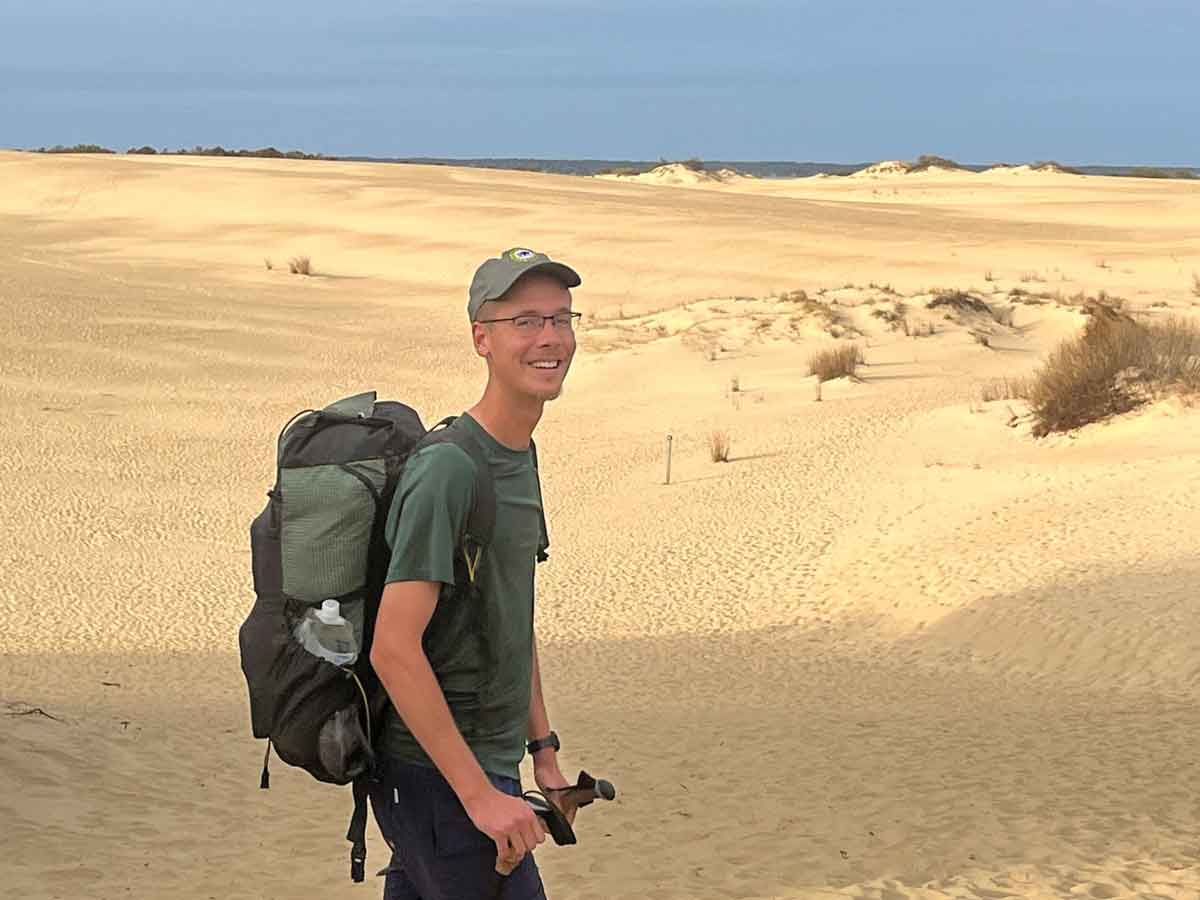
x=400 y=661
x=545 y=761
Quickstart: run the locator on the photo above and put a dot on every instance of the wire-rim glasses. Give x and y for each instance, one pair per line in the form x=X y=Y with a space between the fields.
x=531 y=323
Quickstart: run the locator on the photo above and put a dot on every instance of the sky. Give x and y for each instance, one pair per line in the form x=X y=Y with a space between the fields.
x=1088 y=82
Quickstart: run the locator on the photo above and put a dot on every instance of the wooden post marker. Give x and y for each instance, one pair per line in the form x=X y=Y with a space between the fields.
x=668 y=459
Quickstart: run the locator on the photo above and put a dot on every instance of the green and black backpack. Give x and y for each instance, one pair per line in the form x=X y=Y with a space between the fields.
x=320 y=537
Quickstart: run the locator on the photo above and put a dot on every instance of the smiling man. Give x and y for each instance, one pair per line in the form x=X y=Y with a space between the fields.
x=462 y=669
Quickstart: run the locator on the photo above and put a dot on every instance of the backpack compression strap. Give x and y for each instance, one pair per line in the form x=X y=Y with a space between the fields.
x=542 y=555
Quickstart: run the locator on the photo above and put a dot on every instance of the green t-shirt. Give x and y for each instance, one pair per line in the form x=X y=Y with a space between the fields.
x=427 y=517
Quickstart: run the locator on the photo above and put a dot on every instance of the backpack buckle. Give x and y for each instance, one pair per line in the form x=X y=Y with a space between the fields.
x=472 y=562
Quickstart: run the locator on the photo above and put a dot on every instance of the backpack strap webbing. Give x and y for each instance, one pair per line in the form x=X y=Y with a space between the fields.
x=542 y=555
x=481 y=520
x=357 y=833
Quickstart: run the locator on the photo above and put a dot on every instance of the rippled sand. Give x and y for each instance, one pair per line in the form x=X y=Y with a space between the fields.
x=893 y=648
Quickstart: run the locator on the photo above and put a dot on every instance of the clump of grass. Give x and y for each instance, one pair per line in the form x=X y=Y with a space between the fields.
x=1114 y=366
x=917 y=327
x=267 y=262
x=988 y=276
x=894 y=317
x=1031 y=276
x=300 y=265
x=718 y=445
x=694 y=163
x=735 y=384
x=963 y=302
x=836 y=362
x=982 y=339
x=1195 y=285
x=1005 y=389
x=959 y=301
x=930 y=161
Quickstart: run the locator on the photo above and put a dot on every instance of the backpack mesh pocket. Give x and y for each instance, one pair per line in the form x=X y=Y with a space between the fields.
x=327 y=515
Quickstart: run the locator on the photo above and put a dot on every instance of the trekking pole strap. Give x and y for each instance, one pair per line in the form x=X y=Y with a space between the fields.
x=357 y=833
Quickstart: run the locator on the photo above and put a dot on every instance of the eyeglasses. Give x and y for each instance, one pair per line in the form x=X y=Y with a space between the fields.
x=530 y=323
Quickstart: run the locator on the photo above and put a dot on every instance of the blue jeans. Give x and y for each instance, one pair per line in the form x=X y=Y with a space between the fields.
x=437 y=852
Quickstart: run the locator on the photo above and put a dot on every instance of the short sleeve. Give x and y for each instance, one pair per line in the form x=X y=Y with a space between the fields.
x=428 y=514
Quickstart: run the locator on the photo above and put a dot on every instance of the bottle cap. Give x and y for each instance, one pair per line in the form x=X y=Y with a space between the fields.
x=330 y=612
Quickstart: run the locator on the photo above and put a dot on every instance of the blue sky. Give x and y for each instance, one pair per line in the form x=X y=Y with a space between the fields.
x=1084 y=82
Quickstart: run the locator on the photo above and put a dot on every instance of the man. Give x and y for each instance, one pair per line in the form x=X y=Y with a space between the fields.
x=449 y=797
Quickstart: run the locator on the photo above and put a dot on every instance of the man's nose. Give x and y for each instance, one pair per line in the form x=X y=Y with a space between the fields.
x=549 y=333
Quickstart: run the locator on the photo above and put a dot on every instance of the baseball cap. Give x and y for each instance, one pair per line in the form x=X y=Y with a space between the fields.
x=497 y=275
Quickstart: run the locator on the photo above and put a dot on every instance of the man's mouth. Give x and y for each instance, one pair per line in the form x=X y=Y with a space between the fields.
x=550 y=364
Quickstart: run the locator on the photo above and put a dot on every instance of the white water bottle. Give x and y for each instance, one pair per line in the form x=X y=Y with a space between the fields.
x=324 y=633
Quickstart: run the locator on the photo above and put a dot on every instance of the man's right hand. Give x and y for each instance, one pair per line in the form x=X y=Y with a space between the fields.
x=509 y=822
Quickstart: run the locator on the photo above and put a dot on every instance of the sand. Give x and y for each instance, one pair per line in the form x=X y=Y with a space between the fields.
x=893 y=648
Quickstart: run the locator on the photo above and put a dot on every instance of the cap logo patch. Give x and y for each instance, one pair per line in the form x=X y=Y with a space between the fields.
x=520 y=254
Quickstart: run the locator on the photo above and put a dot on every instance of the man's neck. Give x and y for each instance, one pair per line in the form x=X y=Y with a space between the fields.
x=509 y=420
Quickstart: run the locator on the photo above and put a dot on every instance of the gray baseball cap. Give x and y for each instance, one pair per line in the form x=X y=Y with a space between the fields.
x=497 y=275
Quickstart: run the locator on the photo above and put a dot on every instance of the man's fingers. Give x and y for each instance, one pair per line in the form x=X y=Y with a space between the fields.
x=518 y=844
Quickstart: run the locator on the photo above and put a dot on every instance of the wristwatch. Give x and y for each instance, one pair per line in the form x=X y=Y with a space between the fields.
x=550 y=740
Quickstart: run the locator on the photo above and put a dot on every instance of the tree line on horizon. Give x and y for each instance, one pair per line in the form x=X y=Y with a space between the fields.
x=147 y=150
x=694 y=163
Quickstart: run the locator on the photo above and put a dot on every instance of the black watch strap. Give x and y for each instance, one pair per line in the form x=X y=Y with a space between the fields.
x=550 y=740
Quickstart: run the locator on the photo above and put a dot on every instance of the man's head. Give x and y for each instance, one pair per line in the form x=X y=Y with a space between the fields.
x=520 y=307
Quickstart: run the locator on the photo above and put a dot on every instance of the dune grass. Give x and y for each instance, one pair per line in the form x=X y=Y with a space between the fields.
x=1114 y=366
x=300 y=265
x=835 y=362
x=718 y=445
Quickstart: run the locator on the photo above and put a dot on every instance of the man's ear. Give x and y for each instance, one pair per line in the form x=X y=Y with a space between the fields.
x=481 y=338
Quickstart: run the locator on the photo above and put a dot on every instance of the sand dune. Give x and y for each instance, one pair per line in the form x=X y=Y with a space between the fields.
x=896 y=647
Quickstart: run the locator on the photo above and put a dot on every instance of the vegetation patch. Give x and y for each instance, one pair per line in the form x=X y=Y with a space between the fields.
x=836 y=362
x=1114 y=366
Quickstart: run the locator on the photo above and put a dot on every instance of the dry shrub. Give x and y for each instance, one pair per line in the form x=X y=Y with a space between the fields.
x=835 y=362
x=300 y=265
x=960 y=301
x=718 y=445
x=1195 y=285
x=1116 y=365
x=267 y=262
x=1082 y=299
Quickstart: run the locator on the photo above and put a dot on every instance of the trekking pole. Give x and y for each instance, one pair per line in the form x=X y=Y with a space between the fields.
x=668 y=459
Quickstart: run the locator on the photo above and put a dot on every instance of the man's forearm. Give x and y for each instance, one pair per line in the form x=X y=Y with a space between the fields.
x=538 y=724
x=418 y=698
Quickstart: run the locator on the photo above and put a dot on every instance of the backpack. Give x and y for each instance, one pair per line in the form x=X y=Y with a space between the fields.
x=321 y=536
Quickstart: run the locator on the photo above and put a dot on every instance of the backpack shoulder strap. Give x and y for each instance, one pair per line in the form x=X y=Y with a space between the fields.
x=542 y=555
x=481 y=521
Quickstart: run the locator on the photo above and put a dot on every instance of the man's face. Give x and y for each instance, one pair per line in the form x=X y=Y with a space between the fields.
x=529 y=362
